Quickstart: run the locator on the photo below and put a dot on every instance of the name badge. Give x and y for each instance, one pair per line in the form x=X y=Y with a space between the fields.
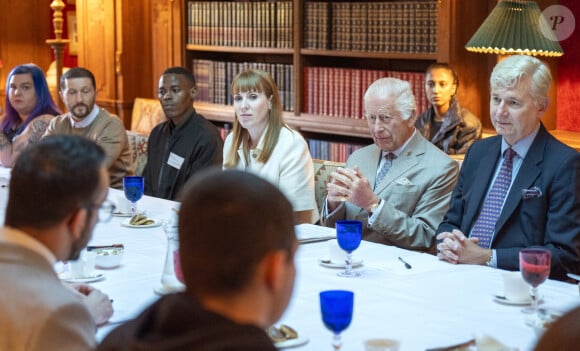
x=175 y=161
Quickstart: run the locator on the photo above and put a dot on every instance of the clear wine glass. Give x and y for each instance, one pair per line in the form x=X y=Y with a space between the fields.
x=349 y=236
x=535 y=269
x=336 y=307
x=133 y=188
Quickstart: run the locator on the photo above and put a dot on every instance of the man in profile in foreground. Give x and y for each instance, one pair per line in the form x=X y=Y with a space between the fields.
x=57 y=190
x=237 y=246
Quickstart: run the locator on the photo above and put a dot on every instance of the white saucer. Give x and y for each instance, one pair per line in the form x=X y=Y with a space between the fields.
x=357 y=262
x=65 y=276
x=156 y=223
x=299 y=341
x=161 y=290
x=506 y=301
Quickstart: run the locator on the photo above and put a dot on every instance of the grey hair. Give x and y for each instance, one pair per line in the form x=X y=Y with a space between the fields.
x=509 y=72
x=400 y=90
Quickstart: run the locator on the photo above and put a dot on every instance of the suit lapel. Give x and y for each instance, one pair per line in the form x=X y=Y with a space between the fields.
x=528 y=173
x=481 y=181
x=406 y=160
x=369 y=166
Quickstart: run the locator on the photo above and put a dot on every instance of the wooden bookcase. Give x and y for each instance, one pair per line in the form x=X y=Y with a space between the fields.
x=457 y=21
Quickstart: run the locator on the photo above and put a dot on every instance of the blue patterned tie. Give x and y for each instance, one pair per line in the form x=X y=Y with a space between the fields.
x=485 y=225
x=386 y=166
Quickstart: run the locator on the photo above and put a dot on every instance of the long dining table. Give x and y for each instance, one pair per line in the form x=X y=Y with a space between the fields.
x=431 y=304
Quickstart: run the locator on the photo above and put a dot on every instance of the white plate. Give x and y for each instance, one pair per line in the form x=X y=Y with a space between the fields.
x=126 y=214
x=505 y=301
x=65 y=276
x=156 y=223
x=301 y=340
x=121 y=214
x=357 y=262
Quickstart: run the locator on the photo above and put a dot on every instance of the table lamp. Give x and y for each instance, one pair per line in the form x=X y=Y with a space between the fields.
x=515 y=27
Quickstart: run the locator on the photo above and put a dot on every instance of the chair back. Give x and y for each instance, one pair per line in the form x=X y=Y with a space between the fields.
x=322 y=175
x=138 y=143
x=147 y=113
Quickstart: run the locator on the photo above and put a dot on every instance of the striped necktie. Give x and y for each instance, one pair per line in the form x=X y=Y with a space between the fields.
x=385 y=169
x=485 y=225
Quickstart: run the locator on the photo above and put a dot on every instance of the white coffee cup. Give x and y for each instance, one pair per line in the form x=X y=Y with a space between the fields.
x=381 y=345
x=514 y=286
x=335 y=253
x=123 y=205
x=84 y=266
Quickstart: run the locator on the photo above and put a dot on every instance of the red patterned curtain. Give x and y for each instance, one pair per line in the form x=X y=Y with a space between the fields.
x=568 y=117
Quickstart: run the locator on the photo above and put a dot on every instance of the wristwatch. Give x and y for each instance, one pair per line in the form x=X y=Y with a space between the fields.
x=374 y=207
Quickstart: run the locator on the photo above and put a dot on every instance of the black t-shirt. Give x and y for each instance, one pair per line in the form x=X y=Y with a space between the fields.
x=178 y=322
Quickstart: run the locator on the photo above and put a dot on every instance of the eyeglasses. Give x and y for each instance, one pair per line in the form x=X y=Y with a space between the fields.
x=105 y=211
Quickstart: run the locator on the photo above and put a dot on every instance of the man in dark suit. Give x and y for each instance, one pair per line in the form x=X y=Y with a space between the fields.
x=542 y=206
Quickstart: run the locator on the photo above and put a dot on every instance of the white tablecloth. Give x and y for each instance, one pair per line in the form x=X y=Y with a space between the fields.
x=432 y=304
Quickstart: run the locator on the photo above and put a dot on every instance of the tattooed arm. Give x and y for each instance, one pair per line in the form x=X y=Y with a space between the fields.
x=5 y=151
x=31 y=135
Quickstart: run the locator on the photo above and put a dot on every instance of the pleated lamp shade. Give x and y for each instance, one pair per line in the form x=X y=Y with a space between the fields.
x=515 y=27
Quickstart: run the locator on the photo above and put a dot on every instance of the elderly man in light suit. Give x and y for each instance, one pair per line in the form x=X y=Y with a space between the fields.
x=401 y=185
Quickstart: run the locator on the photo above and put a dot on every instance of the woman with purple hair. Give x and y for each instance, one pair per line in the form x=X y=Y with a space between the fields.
x=29 y=108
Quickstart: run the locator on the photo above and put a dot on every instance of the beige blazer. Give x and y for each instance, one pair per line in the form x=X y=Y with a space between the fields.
x=36 y=311
x=416 y=193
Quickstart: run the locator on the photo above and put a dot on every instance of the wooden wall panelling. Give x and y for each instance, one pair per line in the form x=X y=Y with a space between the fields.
x=115 y=44
x=473 y=69
x=96 y=47
x=24 y=28
x=133 y=53
x=167 y=37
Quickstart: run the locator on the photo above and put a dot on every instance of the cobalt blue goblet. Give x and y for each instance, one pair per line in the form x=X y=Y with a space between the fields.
x=133 y=188
x=349 y=236
x=336 y=307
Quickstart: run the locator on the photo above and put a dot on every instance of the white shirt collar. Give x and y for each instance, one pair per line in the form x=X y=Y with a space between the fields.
x=87 y=120
x=522 y=146
x=20 y=238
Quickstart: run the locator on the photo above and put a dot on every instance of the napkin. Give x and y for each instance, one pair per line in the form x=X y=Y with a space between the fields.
x=488 y=343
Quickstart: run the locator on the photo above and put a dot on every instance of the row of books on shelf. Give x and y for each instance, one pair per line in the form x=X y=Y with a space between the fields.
x=241 y=24
x=214 y=78
x=338 y=92
x=392 y=27
x=332 y=151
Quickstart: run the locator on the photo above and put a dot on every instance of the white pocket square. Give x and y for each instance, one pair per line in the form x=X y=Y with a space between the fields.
x=404 y=181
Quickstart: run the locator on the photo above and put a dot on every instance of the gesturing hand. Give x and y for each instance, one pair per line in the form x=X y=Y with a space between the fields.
x=352 y=186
